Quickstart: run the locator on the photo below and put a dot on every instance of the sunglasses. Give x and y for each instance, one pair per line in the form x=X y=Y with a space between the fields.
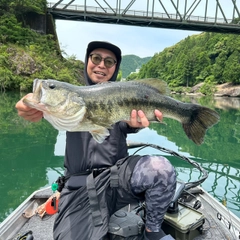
x=97 y=59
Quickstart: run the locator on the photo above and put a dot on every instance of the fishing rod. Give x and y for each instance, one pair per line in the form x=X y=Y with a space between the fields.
x=187 y=185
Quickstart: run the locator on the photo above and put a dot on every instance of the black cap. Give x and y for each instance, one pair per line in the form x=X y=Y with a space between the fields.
x=106 y=45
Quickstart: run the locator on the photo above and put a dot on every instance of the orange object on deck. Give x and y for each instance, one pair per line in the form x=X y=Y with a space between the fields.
x=51 y=205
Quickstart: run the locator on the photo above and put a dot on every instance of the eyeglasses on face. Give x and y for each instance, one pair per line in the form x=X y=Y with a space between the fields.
x=108 y=61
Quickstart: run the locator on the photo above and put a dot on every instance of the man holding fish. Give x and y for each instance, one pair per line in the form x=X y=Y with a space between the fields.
x=104 y=157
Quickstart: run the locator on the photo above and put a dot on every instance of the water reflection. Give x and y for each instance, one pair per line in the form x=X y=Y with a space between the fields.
x=26 y=152
x=227 y=103
x=216 y=102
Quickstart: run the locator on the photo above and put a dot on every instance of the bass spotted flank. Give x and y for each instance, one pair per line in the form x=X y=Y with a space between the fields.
x=96 y=108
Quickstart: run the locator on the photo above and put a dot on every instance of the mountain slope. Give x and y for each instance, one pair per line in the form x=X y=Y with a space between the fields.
x=207 y=57
x=132 y=62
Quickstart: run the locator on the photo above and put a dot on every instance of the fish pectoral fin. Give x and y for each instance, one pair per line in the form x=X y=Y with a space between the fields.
x=100 y=134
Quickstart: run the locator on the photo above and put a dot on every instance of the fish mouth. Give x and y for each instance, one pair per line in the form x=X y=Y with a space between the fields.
x=35 y=100
x=35 y=84
x=37 y=90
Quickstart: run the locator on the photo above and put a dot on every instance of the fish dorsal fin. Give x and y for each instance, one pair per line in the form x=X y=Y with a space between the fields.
x=158 y=84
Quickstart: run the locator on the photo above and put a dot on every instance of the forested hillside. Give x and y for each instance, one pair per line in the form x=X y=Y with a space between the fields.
x=132 y=62
x=26 y=54
x=212 y=58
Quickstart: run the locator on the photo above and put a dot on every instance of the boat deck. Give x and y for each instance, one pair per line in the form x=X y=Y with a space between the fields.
x=218 y=222
x=42 y=229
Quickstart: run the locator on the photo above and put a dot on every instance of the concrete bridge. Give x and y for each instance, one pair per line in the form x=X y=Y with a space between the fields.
x=221 y=16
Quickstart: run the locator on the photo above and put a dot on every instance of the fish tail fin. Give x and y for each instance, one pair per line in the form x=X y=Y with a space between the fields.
x=201 y=119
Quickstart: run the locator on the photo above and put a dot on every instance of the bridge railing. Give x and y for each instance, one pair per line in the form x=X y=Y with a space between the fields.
x=140 y=14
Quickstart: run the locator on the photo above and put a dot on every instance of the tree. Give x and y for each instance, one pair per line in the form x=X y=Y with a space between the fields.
x=119 y=76
x=231 y=71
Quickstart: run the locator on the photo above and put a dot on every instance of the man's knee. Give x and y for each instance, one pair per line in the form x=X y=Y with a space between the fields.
x=152 y=171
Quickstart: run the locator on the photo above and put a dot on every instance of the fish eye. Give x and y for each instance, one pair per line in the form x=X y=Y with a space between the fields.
x=52 y=86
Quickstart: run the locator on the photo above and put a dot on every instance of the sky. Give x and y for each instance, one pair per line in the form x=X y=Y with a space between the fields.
x=74 y=36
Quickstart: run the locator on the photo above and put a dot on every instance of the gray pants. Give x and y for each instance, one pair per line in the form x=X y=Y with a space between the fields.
x=155 y=176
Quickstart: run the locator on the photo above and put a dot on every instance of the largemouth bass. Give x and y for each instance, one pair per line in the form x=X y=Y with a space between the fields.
x=96 y=108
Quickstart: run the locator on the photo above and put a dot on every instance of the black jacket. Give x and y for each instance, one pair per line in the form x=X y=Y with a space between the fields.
x=82 y=151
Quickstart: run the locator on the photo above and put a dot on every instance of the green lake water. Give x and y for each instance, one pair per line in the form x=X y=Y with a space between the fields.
x=32 y=154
